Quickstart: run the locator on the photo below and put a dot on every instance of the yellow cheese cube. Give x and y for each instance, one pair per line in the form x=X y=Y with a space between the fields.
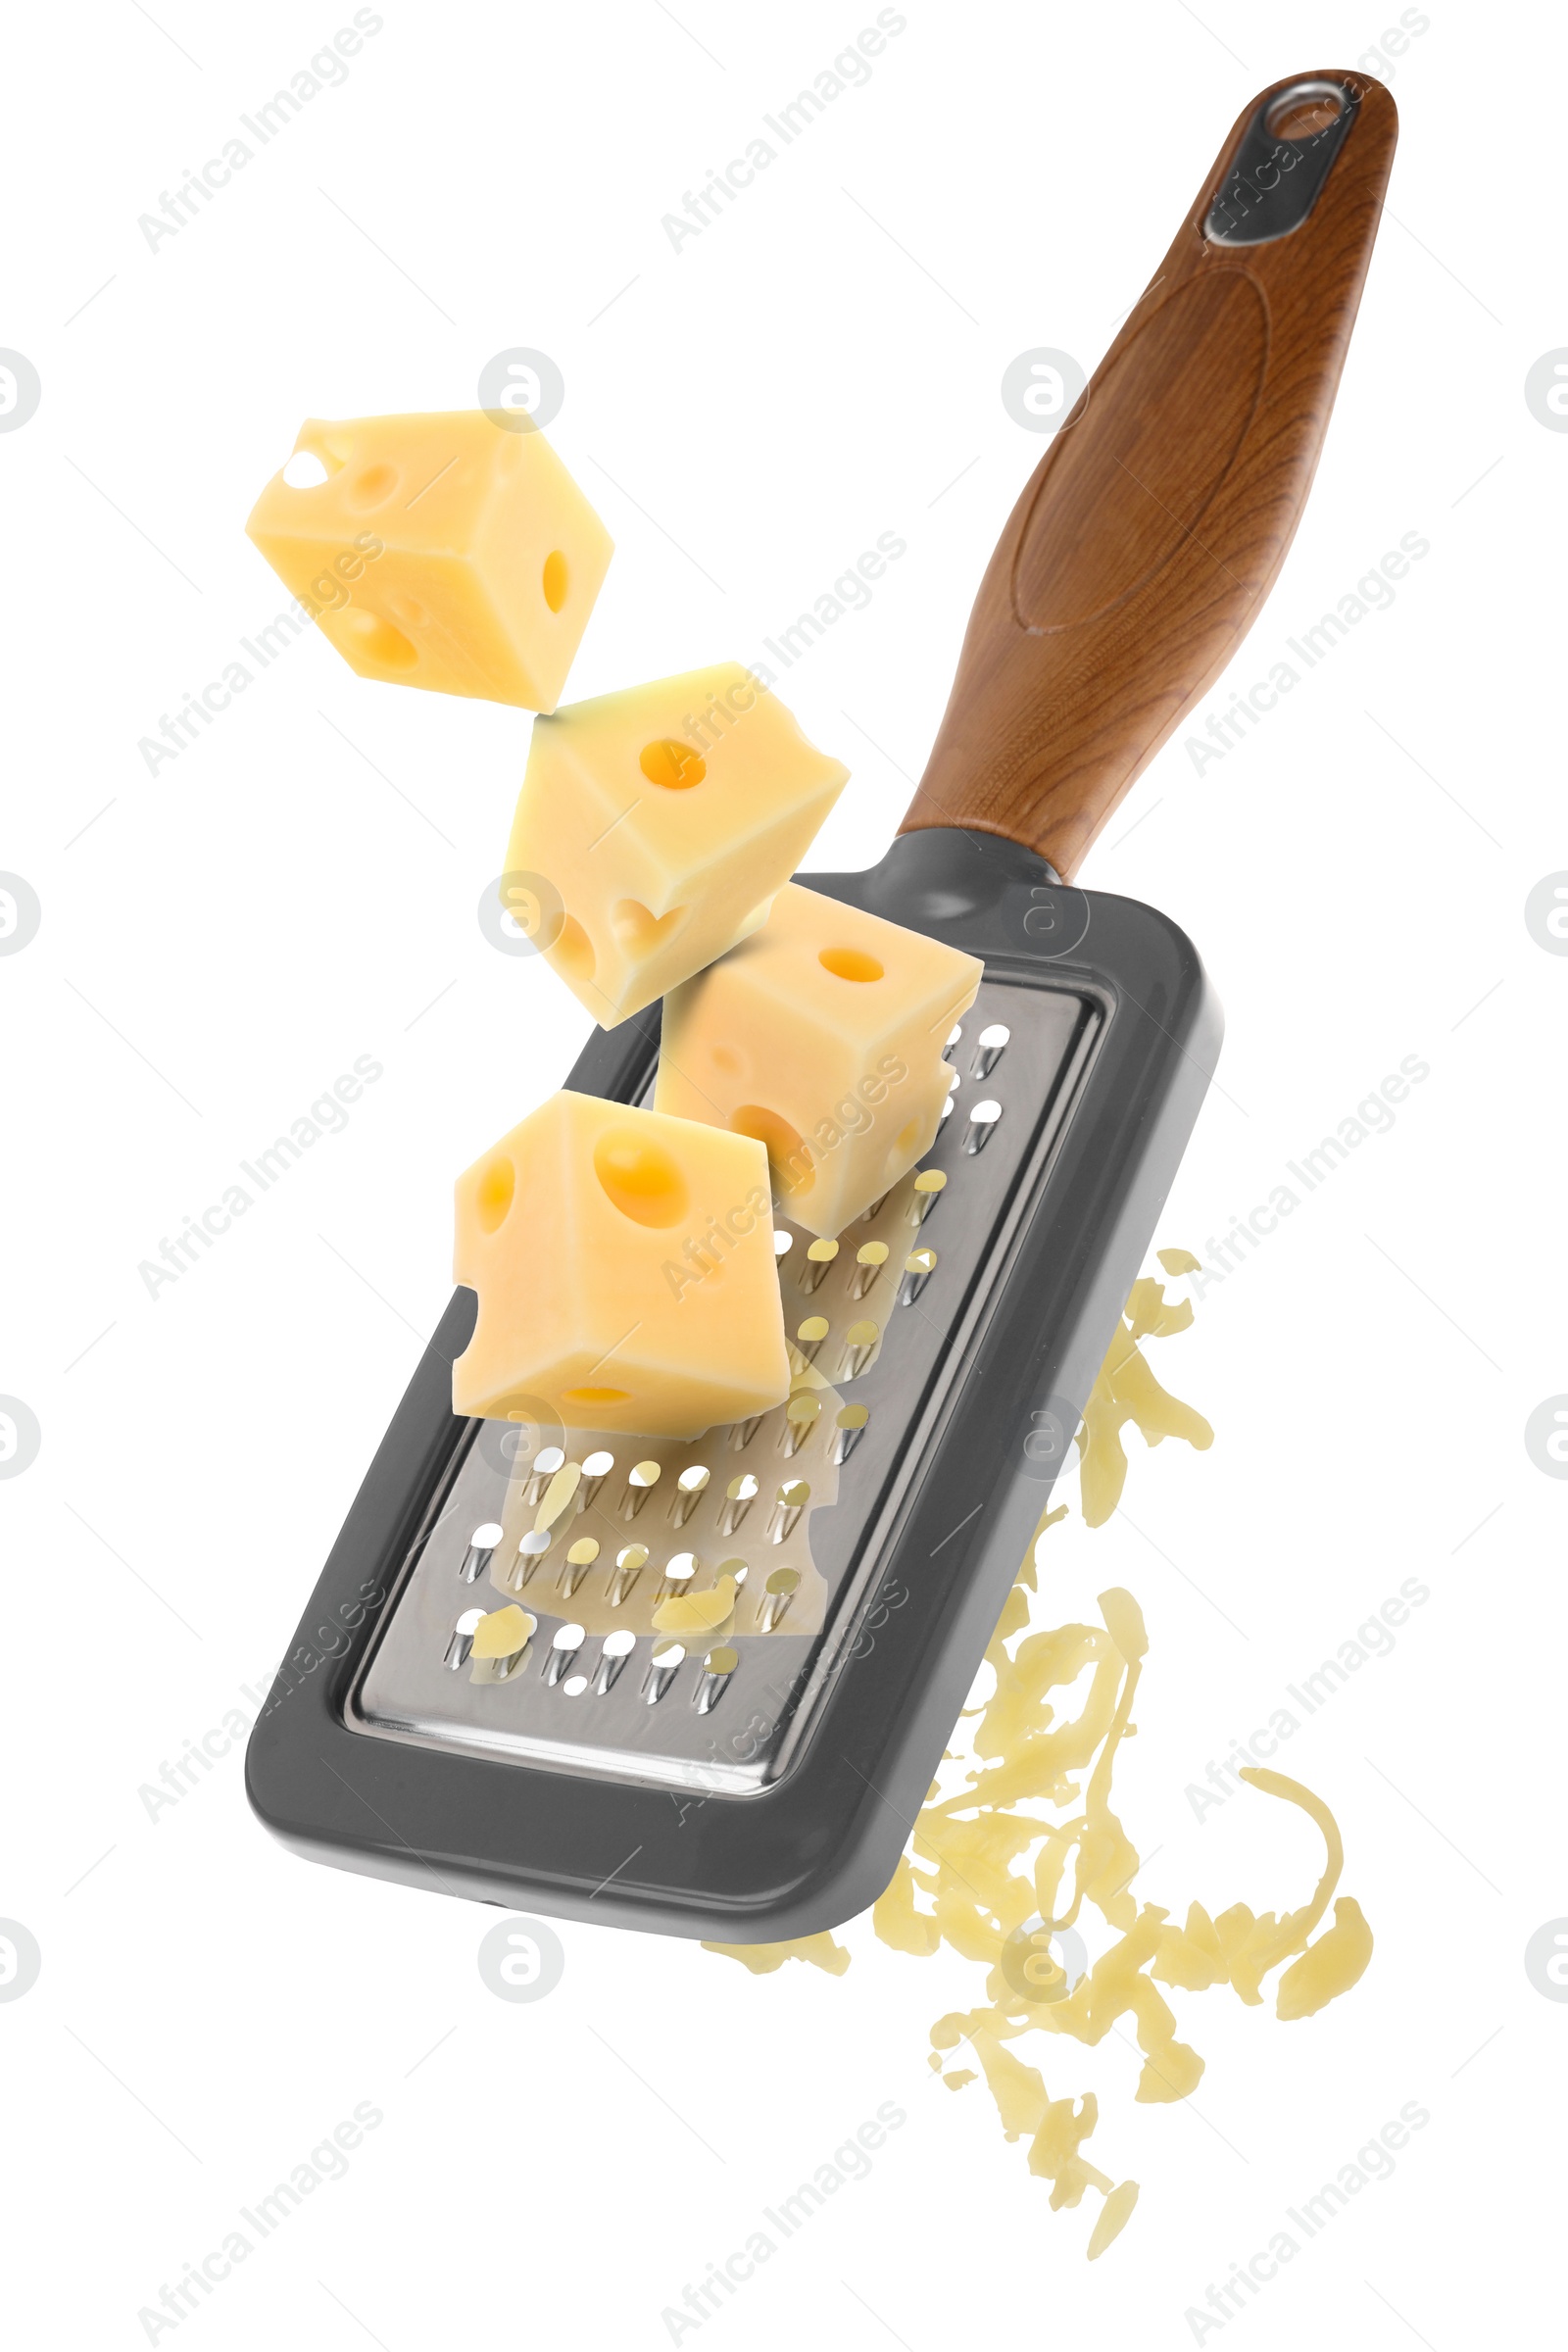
x=654 y=825
x=822 y=1036
x=440 y=550
x=624 y=1266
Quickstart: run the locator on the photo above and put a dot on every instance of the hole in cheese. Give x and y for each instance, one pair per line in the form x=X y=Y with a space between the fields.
x=304 y=470
x=373 y=487
x=596 y=1396
x=850 y=963
x=637 y=931
x=378 y=640
x=673 y=764
x=496 y=1188
x=554 y=579
x=574 y=950
x=789 y=1158
x=640 y=1178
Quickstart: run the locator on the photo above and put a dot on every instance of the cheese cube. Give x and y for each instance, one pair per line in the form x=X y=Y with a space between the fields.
x=625 y=1265
x=822 y=1036
x=654 y=825
x=440 y=550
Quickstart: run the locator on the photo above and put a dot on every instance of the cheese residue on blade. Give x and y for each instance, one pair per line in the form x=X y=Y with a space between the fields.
x=997 y=1881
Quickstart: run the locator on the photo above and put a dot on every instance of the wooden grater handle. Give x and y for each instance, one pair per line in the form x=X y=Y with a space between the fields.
x=1149 y=534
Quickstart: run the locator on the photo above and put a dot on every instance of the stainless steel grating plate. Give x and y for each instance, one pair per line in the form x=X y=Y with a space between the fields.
x=576 y=1705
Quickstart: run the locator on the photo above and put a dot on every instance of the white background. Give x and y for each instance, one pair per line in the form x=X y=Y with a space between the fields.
x=299 y=888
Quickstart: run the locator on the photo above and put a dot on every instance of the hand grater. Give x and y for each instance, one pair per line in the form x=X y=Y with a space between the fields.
x=764 y=1788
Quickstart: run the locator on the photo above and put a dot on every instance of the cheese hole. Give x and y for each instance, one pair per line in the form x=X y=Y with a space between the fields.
x=378 y=640
x=788 y=1156
x=674 y=766
x=373 y=487
x=596 y=1396
x=637 y=931
x=304 y=470
x=850 y=963
x=496 y=1188
x=405 y=610
x=574 y=950
x=726 y=1059
x=901 y=1149
x=640 y=1178
x=555 y=580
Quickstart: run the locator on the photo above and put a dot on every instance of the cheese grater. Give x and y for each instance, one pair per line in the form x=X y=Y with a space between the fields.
x=764 y=1787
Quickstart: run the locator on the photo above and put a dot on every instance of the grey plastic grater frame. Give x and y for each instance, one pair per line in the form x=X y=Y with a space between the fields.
x=811 y=1834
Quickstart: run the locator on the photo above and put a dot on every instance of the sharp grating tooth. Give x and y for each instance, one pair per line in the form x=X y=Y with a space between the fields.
x=954 y=1035
x=847 y=1433
x=810 y=1337
x=875 y=1209
x=662 y=1671
x=859 y=1342
x=983 y=1118
x=818 y=1257
x=870 y=1262
x=793 y=1498
x=476 y=1559
x=988 y=1050
x=461 y=1646
x=579 y=1559
x=679 y=1570
x=568 y=1639
x=799 y=1419
x=550 y=1460
x=713 y=1680
x=742 y=1433
x=530 y=1551
x=739 y=1496
x=595 y=1470
x=777 y=1595
x=640 y=1480
x=690 y=1487
x=928 y=1190
x=918 y=1269
x=615 y=1650
x=629 y=1565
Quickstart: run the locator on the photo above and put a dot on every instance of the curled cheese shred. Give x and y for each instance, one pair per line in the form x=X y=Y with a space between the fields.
x=991 y=1876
